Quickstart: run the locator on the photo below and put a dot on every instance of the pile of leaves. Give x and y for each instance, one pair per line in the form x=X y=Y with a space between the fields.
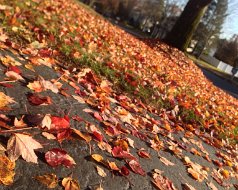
x=132 y=87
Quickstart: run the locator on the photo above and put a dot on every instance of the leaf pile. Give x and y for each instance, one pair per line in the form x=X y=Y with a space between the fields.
x=134 y=90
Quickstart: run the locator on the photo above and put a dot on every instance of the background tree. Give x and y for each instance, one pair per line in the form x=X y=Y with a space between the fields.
x=227 y=50
x=208 y=31
x=182 y=32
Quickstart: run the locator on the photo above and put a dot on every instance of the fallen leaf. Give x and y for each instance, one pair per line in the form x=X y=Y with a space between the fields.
x=161 y=182
x=49 y=136
x=85 y=137
x=70 y=184
x=143 y=154
x=6 y=170
x=211 y=186
x=19 y=123
x=24 y=145
x=101 y=172
x=118 y=152
x=124 y=171
x=186 y=186
x=97 y=157
x=136 y=167
x=59 y=123
x=166 y=161
x=46 y=121
x=14 y=76
x=37 y=100
x=56 y=157
x=50 y=180
x=5 y=100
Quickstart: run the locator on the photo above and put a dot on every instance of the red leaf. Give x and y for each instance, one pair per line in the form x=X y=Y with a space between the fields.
x=124 y=171
x=37 y=100
x=97 y=136
x=97 y=116
x=118 y=152
x=6 y=85
x=15 y=69
x=58 y=123
x=63 y=135
x=135 y=166
x=56 y=157
x=143 y=154
x=77 y=118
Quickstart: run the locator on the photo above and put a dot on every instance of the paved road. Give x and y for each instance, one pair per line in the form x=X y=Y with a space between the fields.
x=222 y=83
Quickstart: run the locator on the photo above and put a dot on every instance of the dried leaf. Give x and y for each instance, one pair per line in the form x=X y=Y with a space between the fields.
x=97 y=157
x=85 y=137
x=6 y=170
x=211 y=186
x=56 y=157
x=143 y=154
x=24 y=145
x=5 y=100
x=70 y=184
x=14 y=76
x=166 y=161
x=50 y=180
x=101 y=172
x=49 y=136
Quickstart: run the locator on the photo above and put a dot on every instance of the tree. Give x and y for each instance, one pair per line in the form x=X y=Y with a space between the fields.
x=182 y=32
x=227 y=50
x=209 y=29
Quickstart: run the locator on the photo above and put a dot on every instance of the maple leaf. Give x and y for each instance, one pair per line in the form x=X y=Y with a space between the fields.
x=50 y=180
x=70 y=184
x=56 y=157
x=135 y=166
x=24 y=145
x=6 y=170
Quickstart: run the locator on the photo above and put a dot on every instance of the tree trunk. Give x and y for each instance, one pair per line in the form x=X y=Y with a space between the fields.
x=182 y=32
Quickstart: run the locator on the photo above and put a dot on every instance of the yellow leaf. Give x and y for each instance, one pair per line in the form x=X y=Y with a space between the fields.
x=225 y=174
x=70 y=184
x=97 y=157
x=5 y=100
x=101 y=172
x=85 y=137
x=50 y=180
x=6 y=170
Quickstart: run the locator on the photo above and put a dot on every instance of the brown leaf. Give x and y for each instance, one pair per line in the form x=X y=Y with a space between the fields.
x=50 y=180
x=6 y=170
x=85 y=137
x=70 y=184
x=24 y=145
